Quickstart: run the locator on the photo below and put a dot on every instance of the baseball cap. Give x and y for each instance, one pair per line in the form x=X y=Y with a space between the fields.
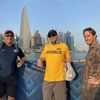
x=9 y=32
x=52 y=33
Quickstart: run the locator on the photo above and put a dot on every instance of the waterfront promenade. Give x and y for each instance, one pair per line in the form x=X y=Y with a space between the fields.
x=30 y=79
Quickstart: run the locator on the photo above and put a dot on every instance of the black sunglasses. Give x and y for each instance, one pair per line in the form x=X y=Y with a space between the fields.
x=53 y=35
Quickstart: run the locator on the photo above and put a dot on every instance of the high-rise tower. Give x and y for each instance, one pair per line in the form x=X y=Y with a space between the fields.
x=25 y=34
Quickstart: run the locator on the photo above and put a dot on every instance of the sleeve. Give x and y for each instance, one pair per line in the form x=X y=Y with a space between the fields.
x=20 y=53
x=43 y=54
x=67 y=53
x=98 y=62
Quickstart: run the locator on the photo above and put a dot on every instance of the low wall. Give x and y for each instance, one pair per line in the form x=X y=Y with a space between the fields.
x=30 y=79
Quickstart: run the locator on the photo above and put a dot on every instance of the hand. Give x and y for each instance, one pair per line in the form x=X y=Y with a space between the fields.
x=39 y=63
x=20 y=63
x=66 y=65
x=93 y=81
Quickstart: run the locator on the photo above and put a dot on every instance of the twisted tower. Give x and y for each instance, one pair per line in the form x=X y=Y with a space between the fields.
x=25 y=34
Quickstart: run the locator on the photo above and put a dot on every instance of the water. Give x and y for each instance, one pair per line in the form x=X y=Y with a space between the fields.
x=78 y=55
x=74 y=55
x=33 y=56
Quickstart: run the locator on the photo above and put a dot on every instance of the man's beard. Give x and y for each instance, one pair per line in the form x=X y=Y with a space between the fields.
x=54 y=42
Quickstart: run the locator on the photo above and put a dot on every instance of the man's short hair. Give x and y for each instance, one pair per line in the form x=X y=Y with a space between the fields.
x=91 y=30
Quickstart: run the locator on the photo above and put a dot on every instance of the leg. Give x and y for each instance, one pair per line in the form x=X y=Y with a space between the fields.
x=2 y=89
x=1 y=98
x=91 y=94
x=60 y=90
x=11 y=98
x=11 y=89
x=53 y=98
x=86 y=95
x=47 y=90
x=96 y=93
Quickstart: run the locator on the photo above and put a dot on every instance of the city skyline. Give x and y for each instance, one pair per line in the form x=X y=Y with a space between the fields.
x=43 y=15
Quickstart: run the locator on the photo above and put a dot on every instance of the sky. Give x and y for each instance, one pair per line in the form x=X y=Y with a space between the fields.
x=43 y=15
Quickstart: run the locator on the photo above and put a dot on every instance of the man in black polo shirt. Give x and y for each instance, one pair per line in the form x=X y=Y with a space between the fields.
x=9 y=54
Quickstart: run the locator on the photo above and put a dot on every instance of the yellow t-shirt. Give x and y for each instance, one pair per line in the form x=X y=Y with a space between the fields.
x=55 y=56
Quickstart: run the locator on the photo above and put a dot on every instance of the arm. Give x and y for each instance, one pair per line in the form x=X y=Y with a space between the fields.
x=40 y=62
x=42 y=58
x=98 y=71
x=68 y=57
x=66 y=62
x=22 y=58
x=21 y=62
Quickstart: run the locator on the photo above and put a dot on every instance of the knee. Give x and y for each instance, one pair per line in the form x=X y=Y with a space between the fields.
x=11 y=98
x=1 y=98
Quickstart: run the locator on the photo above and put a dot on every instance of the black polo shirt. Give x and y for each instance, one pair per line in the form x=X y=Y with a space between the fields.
x=8 y=58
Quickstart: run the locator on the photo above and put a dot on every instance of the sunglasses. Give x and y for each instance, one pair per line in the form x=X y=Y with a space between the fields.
x=9 y=36
x=53 y=35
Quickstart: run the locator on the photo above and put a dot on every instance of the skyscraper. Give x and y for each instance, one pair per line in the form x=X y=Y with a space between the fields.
x=72 y=48
x=68 y=39
x=62 y=37
x=37 y=39
x=25 y=34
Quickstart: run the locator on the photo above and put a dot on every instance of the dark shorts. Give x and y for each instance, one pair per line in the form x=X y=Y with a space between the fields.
x=8 y=87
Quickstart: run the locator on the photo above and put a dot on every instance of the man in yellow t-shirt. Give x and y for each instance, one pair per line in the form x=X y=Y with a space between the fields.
x=56 y=55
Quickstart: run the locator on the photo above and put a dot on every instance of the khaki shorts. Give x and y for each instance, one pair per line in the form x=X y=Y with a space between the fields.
x=54 y=90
